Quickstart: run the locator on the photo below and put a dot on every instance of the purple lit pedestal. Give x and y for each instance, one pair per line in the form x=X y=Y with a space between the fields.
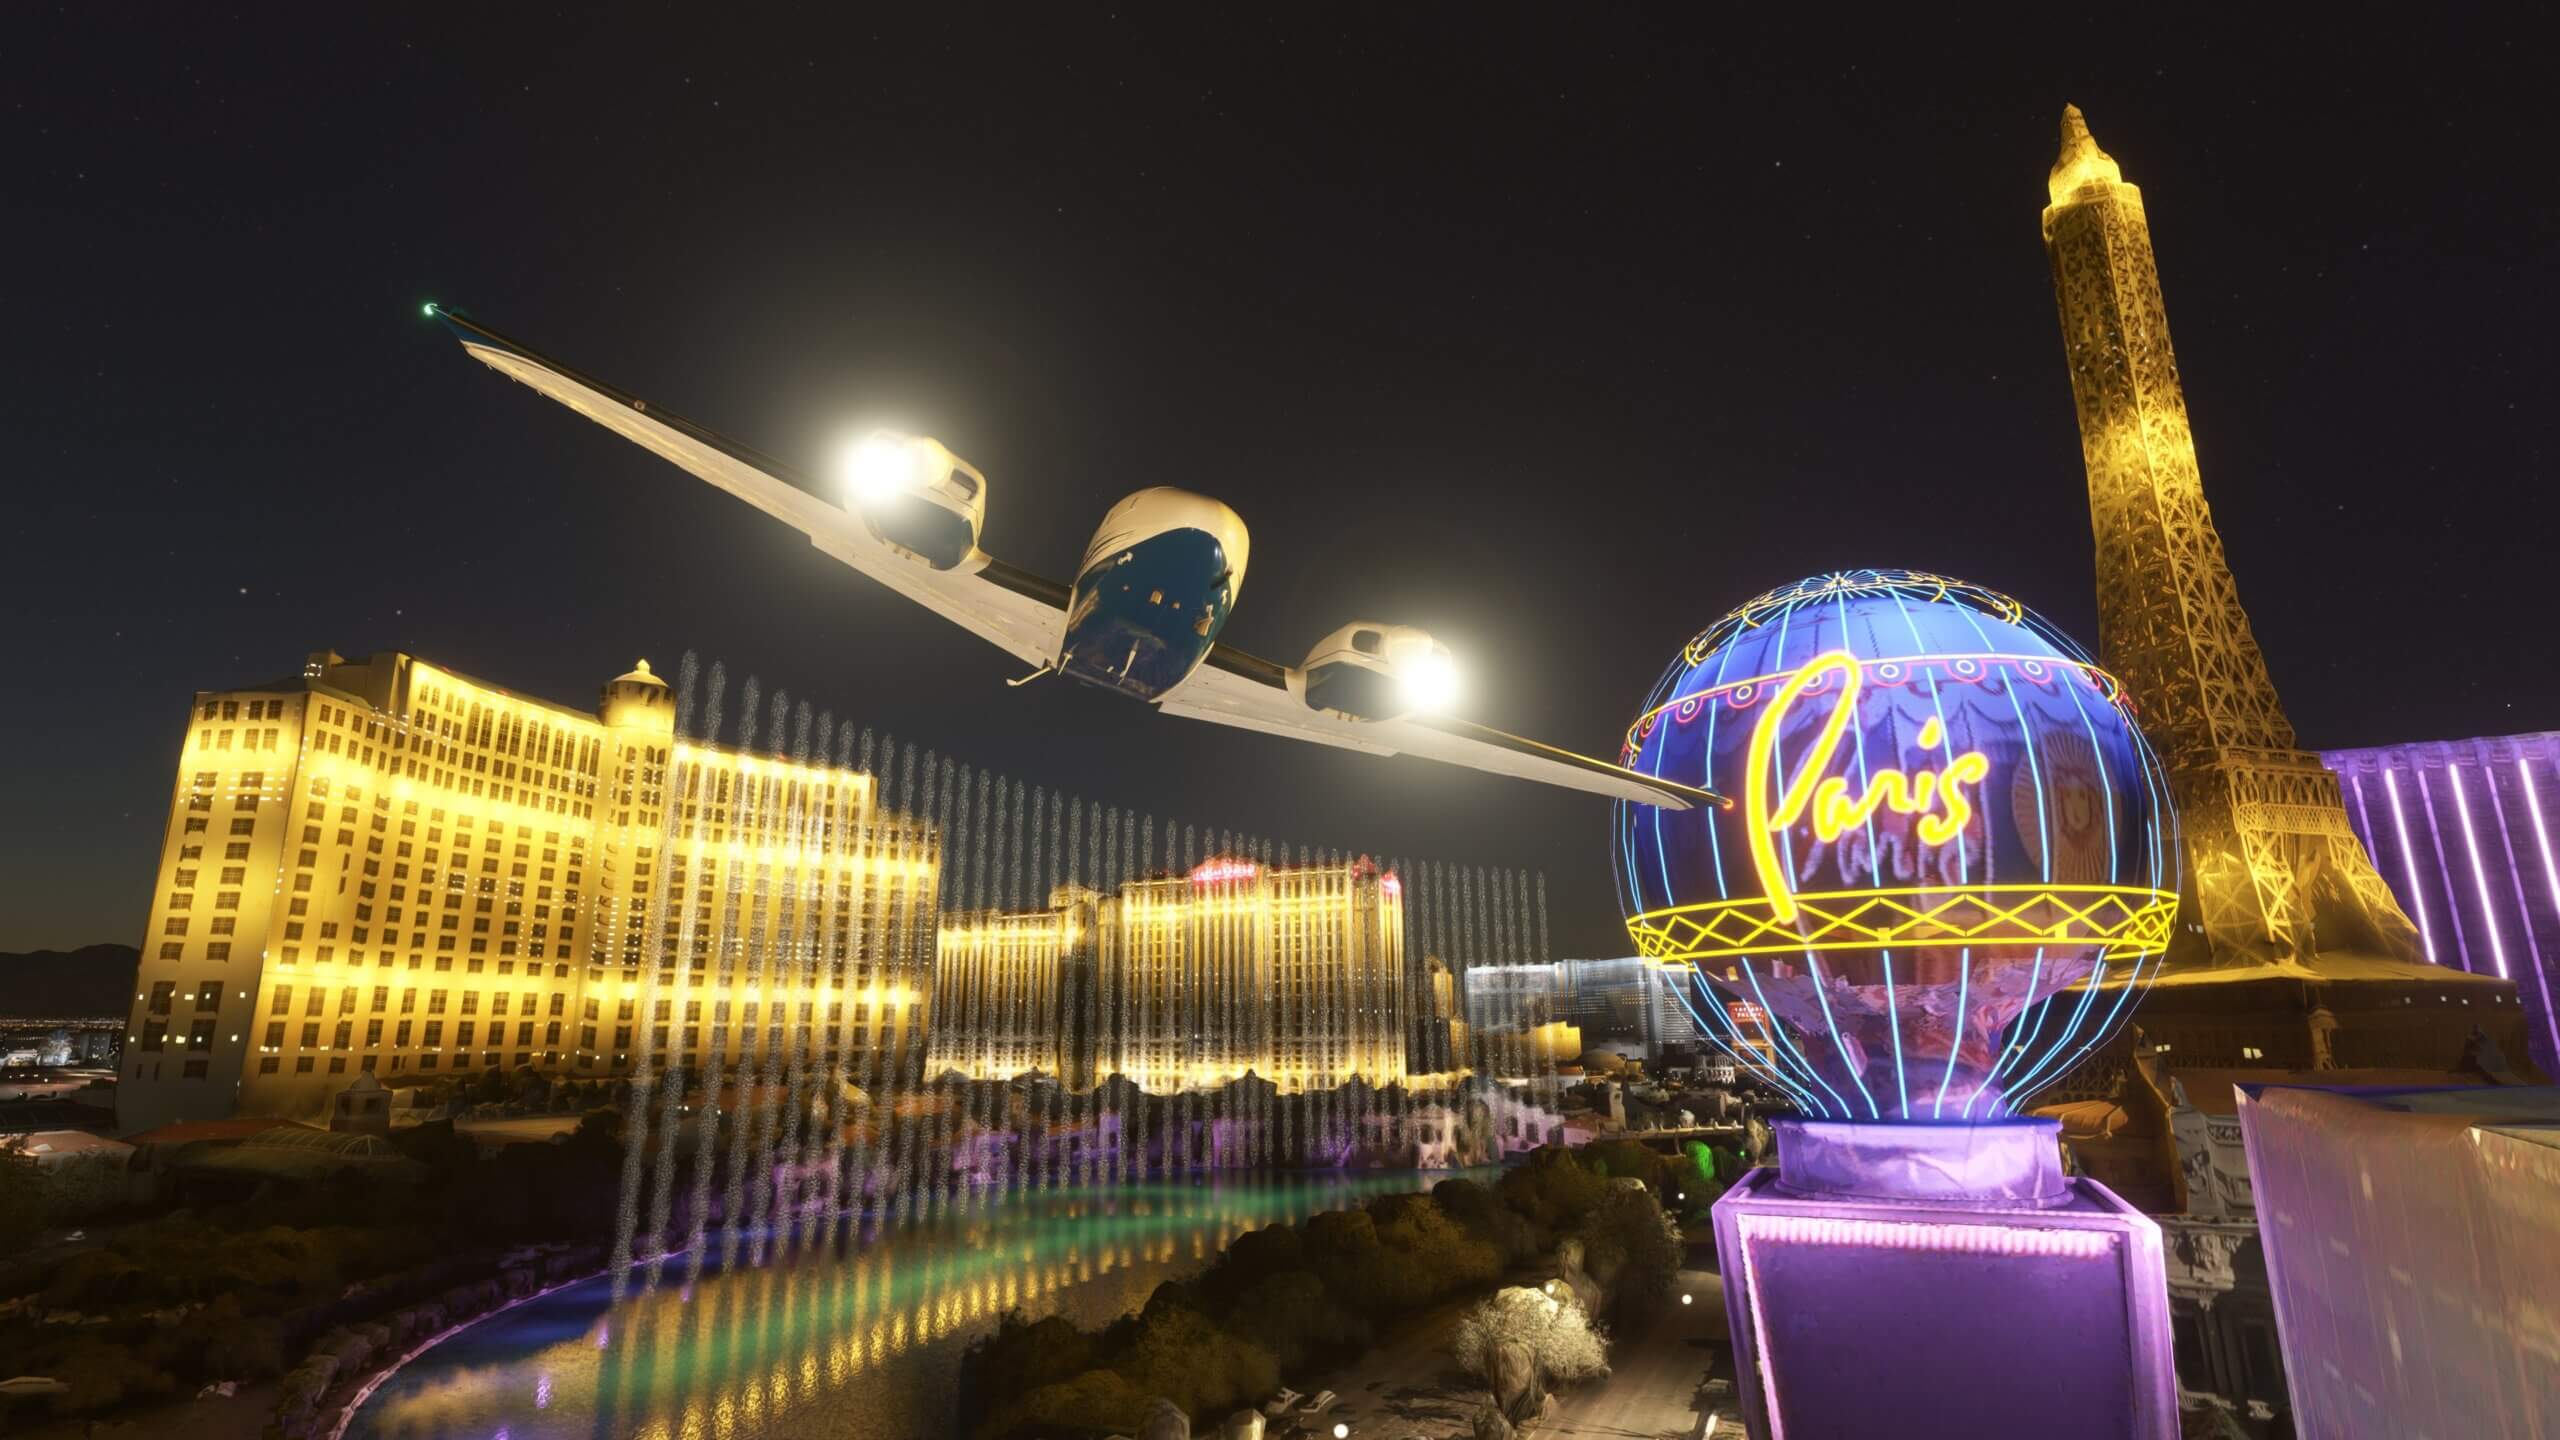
x=1921 y=1281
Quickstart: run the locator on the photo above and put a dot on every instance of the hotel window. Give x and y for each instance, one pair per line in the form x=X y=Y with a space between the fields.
x=200 y=1035
x=281 y=1003
x=172 y=949
x=174 y=925
x=373 y=1032
x=218 y=950
x=209 y=995
x=244 y=827
x=155 y=1034
x=275 y=1035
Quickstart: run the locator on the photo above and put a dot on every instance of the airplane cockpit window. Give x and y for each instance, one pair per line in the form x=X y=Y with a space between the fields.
x=1365 y=641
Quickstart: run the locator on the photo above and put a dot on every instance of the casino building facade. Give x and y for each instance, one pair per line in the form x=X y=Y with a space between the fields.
x=1295 y=975
x=382 y=866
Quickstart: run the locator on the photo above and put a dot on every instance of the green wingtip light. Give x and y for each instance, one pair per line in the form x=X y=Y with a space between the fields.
x=429 y=310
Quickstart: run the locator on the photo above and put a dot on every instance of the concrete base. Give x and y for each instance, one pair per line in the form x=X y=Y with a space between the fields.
x=1869 y=1297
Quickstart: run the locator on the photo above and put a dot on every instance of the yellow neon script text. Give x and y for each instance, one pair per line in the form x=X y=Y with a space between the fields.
x=1935 y=796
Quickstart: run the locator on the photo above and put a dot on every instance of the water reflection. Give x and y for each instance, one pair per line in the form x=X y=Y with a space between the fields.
x=857 y=1335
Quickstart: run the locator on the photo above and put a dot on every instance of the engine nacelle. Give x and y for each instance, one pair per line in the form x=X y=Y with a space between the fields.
x=1371 y=671
x=916 y=497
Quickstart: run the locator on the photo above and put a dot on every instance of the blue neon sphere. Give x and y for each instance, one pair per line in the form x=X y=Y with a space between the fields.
x=1950 y=859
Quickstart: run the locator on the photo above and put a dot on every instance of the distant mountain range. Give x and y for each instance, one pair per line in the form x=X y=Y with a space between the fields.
x=72 y=984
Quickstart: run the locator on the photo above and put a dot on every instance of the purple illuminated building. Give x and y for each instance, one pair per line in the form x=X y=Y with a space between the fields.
x=2463 y=831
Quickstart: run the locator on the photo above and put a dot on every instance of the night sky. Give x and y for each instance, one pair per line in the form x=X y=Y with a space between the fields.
x=1557 y=332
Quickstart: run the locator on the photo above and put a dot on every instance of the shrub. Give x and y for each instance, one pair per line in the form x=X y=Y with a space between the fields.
x=1178 y=1354
x=1291 y=1316
x=103 y=1374
x=22 y=1203
x=1023 y=1356
x=1097 y=1400
x=1569 y=1346
x=1631 y=1246
x=1551 y=1187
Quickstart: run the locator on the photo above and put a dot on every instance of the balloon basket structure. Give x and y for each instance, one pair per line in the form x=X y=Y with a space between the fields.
x=1935 y=1281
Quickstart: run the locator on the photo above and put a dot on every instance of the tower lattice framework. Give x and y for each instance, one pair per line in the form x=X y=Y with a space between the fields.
x=2272 y=870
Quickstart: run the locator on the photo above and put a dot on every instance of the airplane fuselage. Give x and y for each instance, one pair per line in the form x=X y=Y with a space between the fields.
x=1155 y=589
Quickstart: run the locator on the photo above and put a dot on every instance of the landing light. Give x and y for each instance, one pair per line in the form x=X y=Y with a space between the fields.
x=879 y=467
x=1429 y=680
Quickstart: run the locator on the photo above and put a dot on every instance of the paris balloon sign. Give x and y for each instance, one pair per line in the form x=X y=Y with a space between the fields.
x=1949 y=864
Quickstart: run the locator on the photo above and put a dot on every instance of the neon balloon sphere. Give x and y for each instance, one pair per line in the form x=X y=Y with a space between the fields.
x=1950 y=863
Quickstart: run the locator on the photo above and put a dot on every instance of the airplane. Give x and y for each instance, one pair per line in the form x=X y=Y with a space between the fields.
x=1156 y=585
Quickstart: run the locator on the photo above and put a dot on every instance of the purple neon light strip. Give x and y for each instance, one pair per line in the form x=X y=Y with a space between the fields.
x=2515 y=873
x=2409 y=860
x=2006 y=1240
x=2551 y=880
x=2479 y=873
x=2435 y=835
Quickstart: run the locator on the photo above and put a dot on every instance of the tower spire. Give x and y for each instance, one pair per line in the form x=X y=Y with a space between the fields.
x=2081 y=161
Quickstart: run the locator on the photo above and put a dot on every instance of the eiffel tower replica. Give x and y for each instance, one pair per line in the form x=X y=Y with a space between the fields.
x=2291 y=952
x=2273 y=876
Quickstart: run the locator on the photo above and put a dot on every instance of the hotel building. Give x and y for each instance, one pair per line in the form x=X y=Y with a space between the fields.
x=382 y=866
x=1293 y=975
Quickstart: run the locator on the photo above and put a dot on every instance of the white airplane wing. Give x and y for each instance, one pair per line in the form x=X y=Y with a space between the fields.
x=1012 y=609
x=1025 y=614
x=1237 y=689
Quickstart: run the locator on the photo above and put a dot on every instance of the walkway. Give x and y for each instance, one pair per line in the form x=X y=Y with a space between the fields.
x=1658 y=1386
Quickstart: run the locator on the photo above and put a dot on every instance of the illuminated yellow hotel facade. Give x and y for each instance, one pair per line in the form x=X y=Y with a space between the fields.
x=1295 y=975
x=383 y=866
